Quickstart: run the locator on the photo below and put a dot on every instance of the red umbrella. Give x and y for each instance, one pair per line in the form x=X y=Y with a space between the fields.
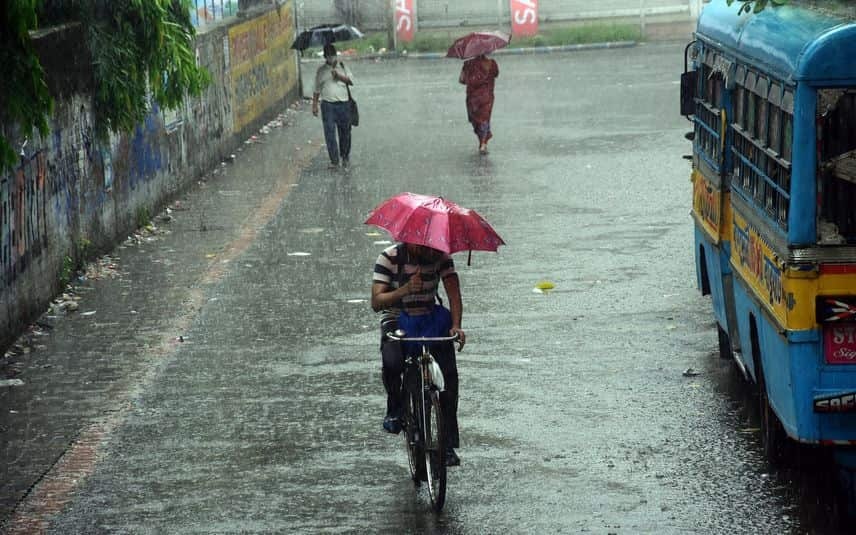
x=434 y=222
x=478 y=43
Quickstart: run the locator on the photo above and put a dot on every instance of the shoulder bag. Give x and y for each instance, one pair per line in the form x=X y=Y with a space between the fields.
x=352 y=105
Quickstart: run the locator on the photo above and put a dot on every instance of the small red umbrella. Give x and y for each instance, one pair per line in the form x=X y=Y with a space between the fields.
x=434 y=222
x=478 y=43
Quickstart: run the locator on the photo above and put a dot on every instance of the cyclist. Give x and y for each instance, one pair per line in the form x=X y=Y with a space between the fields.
x=407 y=278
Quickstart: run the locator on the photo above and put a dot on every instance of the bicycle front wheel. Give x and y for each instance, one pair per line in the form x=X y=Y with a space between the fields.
x=412 y=439
x=435 y=449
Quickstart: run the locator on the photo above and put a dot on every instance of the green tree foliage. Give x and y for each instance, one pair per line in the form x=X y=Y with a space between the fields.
x=139 y=49
x=24 y=97
x=140 y=45
x=756 y=5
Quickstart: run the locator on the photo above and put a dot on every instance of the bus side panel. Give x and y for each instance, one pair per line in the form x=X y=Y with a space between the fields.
x=812 y=378
x=804 y=374
x=773 y=350
x=712 y=267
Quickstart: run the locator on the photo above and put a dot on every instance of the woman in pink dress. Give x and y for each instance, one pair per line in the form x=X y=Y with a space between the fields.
x=479 y=74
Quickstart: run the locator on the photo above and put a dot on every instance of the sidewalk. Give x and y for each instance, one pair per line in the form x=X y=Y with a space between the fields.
x=67 y=382
x=511 y=51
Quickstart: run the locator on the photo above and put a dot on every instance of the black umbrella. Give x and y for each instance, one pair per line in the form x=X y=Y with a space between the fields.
x=325 y=34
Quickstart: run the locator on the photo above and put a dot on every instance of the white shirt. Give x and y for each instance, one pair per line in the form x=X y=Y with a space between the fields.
x=330 y=89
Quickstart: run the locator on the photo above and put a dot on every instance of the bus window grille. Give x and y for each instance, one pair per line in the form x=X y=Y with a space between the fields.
x=787 y=137
x=773 y=171
x=738 y=105
x=775 y=129
x=769 y=200
x=762 y=121
x=738 y=169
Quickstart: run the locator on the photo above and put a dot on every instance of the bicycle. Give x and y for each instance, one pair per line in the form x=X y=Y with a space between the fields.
x=422 y=422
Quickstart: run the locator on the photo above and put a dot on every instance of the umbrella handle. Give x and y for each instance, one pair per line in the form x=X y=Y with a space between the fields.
x=469 y=257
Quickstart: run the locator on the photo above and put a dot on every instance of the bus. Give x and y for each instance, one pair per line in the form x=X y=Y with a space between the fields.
x=772 y=100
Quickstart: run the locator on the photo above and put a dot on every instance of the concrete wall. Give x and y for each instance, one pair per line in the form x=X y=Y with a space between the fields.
x=373 y=14
x=70 y=188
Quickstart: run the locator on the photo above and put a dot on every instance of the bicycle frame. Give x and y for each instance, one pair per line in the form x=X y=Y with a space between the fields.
x=422 y=399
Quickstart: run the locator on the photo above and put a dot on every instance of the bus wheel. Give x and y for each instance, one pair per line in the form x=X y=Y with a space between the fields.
x=773 y=436
x=724 y=343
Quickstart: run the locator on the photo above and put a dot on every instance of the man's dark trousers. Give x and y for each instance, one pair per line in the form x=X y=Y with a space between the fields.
x=336 y=116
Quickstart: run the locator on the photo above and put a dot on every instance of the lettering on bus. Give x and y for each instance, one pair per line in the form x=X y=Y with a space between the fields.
x=706 y=202
x=839 y=343
x=773 y=281
x=750 y=253
x=842 y=403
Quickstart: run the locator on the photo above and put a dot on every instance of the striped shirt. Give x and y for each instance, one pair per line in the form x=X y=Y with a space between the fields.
x=386 y=272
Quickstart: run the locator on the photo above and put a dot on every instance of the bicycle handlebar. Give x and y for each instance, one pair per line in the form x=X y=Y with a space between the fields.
x=400 y=336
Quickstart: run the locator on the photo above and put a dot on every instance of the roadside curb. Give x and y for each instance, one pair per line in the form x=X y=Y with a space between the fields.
x=501 y=52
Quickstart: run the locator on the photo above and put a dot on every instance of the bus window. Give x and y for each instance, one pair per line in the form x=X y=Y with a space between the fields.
x=758 y=185
x=708 y=85
x=783 y=214
x=738 y=105
x=836 y=111
x=751 y=106
x=836 y=134
x=717 y=90
x=787 y=136
x=713 y=88
x=700 y=82
x=775 y=129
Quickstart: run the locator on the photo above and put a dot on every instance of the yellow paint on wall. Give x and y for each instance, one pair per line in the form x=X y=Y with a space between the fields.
x=263 y=66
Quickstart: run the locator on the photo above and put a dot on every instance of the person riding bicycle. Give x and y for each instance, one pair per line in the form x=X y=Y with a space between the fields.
x=405 y=284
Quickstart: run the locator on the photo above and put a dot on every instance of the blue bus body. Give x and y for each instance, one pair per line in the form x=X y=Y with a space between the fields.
x=773 y=185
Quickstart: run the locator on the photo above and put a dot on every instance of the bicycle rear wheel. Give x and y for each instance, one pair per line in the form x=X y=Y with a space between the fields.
x=435 y=450
x=412 y=440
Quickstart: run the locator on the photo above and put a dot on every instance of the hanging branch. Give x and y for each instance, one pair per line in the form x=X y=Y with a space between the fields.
x=24 y=97
x=139 y=49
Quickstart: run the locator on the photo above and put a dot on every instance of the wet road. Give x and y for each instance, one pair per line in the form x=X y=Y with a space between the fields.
x=575 y=413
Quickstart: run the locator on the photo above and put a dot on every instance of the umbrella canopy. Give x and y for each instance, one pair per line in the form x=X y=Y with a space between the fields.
x=325 y=34
x=434 y=222
x=478 y=43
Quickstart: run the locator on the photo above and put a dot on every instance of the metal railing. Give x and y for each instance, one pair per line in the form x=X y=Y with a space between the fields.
x=210 y=11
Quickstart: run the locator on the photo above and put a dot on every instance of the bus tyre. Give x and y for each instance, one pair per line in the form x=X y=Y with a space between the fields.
x=773 y=436
x=724 y=343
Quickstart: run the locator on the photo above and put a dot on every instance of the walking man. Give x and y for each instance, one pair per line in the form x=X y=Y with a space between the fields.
x=331 y=89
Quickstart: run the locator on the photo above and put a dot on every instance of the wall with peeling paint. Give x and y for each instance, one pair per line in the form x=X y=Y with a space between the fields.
x=71 y=189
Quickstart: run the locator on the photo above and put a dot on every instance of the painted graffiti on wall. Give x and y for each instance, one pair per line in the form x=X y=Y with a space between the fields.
x=264 y=68
x=145 y=158
x=23 y=224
